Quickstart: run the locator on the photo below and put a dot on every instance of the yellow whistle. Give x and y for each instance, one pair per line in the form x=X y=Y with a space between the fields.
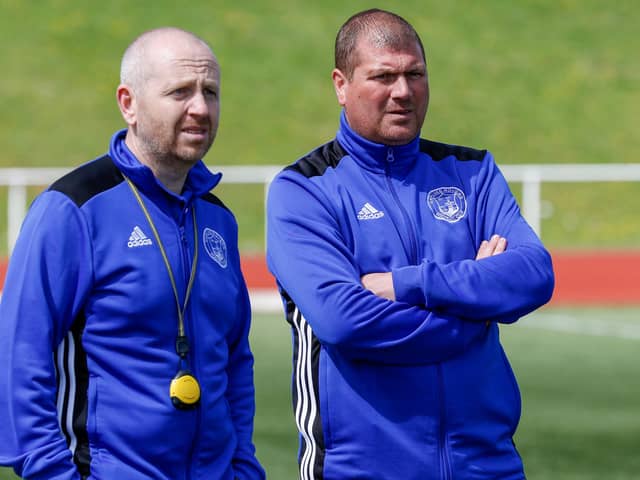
x=184 y=390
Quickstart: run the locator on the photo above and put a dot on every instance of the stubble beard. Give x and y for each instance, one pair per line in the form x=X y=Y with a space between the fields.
x=170 y=153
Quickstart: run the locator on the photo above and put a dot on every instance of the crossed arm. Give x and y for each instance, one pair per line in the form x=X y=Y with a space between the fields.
x=381 y=283
x=437 y=308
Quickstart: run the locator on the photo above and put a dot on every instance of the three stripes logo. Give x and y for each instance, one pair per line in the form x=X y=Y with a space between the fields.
x=138 y=238
x=369 y=212
x=307 y=399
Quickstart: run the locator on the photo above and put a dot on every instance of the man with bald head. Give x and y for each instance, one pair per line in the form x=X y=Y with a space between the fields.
x=391 y=257
x=125 y=317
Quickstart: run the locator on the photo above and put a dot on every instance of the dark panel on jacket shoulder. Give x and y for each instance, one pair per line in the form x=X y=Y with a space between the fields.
x=439 y=151
x=317 y=161
x=211 y=198
x=88 y=180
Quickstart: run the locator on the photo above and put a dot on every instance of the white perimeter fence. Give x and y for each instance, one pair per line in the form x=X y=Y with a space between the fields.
x=530 y=176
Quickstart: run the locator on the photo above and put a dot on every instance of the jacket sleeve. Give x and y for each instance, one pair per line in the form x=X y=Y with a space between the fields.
x=240 y=390
x=499 y=288
x=48 y=277
x=307 y=254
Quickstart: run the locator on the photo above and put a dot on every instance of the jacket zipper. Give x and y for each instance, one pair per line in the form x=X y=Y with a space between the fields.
x=413 y=243
x=186 y=262
x=445 y=462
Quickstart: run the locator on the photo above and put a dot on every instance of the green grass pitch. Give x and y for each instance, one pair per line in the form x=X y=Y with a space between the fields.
x=578 y=371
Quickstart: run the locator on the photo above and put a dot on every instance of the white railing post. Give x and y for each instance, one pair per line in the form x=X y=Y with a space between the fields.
x=267 y=183
x=16 y=210
x=531 y=201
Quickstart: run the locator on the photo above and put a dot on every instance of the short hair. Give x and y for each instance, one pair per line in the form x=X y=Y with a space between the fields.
x=133 y=71
x=385 y=28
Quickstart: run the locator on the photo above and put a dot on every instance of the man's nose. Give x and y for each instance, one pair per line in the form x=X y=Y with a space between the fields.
x=401 y=88
x=198 y=105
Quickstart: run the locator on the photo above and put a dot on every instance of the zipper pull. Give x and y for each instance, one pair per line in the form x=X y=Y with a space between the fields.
x=390 y=158
x=181 y=228
x=183 y=237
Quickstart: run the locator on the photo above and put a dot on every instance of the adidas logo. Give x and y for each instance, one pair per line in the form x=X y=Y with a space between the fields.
x=369 y=212
x=138 y=238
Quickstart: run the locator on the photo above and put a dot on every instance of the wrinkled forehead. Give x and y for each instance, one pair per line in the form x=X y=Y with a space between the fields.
x=206 y=65
x=373 y=55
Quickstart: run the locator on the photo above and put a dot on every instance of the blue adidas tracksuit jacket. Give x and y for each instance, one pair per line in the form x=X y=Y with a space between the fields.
x=88 y=326
x=419 y=388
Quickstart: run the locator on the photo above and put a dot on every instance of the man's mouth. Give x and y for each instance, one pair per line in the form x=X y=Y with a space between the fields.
x=195 y=131
x=402 y=111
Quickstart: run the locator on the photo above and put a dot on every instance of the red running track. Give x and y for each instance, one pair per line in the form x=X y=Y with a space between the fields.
x=582 y=277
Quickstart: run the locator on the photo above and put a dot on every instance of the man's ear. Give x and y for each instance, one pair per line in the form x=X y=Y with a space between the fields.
x=126 y=103
x=340 y=84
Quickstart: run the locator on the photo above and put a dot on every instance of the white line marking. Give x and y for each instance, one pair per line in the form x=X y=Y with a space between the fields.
x=583 y=326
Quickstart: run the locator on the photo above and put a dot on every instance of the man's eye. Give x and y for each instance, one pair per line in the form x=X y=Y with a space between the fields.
x=210 y=92
x=384 y=77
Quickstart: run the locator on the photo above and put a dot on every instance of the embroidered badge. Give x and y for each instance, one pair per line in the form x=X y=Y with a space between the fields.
x=447 y=203
x=215 y=246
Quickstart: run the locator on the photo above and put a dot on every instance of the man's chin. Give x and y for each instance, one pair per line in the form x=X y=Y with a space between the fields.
x=193 y=153
x=190 y=157
x=400 y=136
x=400 y=131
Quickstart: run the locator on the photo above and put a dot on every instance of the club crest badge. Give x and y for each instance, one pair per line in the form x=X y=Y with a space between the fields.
x=447 y=203
x=215 y=246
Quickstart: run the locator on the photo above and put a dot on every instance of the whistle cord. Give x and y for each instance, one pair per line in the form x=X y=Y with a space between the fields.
x=182 y=345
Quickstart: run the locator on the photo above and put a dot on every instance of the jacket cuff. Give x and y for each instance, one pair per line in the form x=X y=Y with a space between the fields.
x=408 y=285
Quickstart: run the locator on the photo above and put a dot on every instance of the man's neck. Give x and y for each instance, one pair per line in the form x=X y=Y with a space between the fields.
x=171 y=174
x=172 y=180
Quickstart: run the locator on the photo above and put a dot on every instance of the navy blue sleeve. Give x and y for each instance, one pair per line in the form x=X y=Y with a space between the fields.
x=48 y=278
x=307 y=254
x=499 y=288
